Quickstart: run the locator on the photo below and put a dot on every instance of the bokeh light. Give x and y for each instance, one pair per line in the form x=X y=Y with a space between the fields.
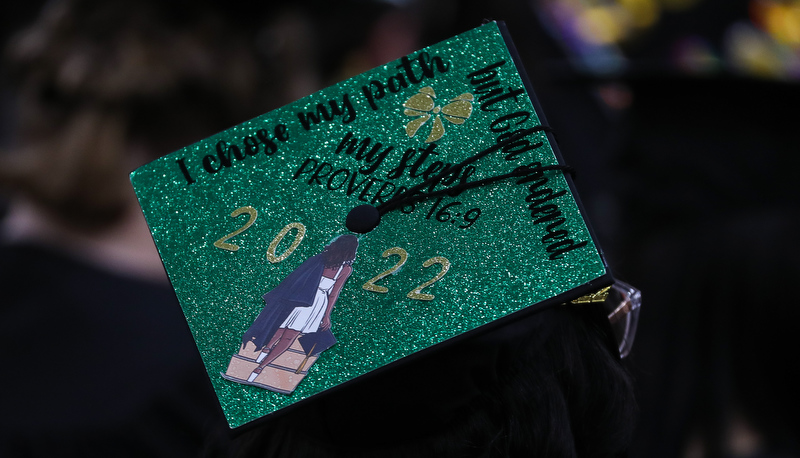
x=764 y=43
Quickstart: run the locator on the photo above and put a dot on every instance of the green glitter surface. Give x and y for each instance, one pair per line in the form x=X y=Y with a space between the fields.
x=499 y=264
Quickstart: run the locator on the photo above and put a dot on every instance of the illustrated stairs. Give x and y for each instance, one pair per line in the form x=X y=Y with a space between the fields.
x=282 y=375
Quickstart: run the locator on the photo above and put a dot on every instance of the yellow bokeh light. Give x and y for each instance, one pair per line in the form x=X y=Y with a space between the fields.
x=643 y=13
x=782 y=22
x=603 y=24
x=678 y=5
x=752 y=52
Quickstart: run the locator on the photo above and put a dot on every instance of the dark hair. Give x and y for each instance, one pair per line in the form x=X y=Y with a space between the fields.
x=105 y=86
x=341 y=251
x=546 y=385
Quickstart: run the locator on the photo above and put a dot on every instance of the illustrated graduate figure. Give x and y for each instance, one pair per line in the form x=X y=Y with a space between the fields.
x=300 y=306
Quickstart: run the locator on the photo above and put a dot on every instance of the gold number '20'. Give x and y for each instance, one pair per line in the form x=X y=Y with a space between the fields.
x=271 y=255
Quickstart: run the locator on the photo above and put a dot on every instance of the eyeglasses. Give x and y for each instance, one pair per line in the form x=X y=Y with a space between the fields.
x=623 y=305
x=622 y=302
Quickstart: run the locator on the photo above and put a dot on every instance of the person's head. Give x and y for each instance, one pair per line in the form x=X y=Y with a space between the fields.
x=548 y=384
x=341 y=251
x=104 y=86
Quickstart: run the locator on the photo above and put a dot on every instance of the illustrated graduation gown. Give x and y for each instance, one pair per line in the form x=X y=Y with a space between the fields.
x=298 y=289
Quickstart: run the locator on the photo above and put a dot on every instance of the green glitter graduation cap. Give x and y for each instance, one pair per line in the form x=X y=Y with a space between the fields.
x=250 y=224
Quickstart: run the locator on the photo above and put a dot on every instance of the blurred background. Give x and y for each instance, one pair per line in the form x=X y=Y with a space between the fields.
x=680 y=117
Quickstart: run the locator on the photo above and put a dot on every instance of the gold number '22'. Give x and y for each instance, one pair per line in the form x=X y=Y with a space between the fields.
x=416 y=293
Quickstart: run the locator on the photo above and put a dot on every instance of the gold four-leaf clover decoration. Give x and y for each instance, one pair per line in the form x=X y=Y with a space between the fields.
x=424 y=107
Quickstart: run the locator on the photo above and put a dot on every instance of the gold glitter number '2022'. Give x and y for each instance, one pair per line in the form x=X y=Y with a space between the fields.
x=370 y=285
